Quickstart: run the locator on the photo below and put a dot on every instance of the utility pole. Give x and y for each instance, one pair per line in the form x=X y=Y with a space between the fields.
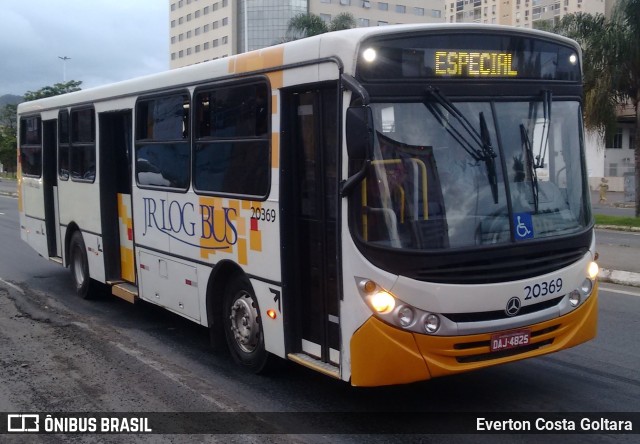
x=64 y=67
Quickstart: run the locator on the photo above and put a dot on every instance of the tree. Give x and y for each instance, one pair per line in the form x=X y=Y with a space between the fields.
x=55 y=90
x=307 y=25
x=611 y=61
x=8 y=130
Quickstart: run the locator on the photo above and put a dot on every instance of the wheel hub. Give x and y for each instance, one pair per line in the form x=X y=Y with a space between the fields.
x=244 y=322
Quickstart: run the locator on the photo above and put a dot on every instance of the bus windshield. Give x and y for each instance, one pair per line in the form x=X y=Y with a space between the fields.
x=467 y=174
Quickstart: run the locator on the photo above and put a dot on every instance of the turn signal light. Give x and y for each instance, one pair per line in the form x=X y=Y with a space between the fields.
x=271 y=313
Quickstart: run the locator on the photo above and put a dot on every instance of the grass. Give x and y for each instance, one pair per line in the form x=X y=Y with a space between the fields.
x=7 y=175
x=602 y=219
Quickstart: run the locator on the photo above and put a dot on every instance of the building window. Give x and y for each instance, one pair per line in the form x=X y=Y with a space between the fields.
x=173 y=6
x=363 y=22
x=206 y=9
x=345 y=2
x=180 y=20
x=215 y=24
x=225 y=40
x=326 y=18
x=188 y=17
x=180 y=53
x=173 y=56
x=180 y=37
x=613 y=170
x=225 y=21
x=180 y=3
x=215 y=6
x=225 y=3
x=616 y=140
x=325 y=1
x=366 y=4
x=197 y=31
x=188 y=51
x=382 y=23
x=205 y=28
x=401 y=9
x=188 y=34
x=214 y=43
x=197 y=48
x=382 y=6
x=436 y=13
x=205 y=46
x=173 y=23
x=197 y=14
x=418 y=11
x=173 y=40
x=632 y=140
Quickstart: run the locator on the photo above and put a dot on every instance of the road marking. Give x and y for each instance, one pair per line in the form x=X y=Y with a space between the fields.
x=178 y=379
x=613 y=290
x=15 y=287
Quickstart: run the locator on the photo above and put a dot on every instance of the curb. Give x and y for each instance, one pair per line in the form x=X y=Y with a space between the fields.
x=617 y=228
x=627 y=278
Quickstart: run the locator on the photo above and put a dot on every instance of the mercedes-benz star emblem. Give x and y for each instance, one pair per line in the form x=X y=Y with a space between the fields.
x=513 y=306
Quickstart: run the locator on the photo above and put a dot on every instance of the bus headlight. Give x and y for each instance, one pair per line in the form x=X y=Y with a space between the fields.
x=593 y=270
x=431 y=323
x=586 y=287
x=574 y=298
x=405 y=315
x=388 y=308
x=382 y=302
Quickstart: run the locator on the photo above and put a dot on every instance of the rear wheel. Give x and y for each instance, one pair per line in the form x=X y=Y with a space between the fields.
x=243 y=326
x=79 y=266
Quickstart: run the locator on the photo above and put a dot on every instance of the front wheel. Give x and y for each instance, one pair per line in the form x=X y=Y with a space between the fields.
x=79 y=265
x=243 y=326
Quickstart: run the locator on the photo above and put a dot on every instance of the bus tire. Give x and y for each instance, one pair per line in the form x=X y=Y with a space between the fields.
x=243 y=325
x=79 y=266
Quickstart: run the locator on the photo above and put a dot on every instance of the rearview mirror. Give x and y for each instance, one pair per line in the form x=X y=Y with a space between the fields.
x=359 y=132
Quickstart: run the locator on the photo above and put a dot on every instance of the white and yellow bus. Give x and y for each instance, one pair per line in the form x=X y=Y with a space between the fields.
x=383 y=205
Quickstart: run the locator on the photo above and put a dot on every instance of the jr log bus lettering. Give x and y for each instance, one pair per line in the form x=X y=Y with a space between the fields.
x=382 y=205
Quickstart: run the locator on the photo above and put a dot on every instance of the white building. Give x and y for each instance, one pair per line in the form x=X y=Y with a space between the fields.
x=202 y=30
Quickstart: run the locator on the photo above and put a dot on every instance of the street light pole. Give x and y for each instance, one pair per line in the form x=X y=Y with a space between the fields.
x=64 y=67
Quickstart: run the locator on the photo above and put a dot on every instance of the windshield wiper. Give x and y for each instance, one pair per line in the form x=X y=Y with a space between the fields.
x=526 y=143
x=479 y=148
x=546 y=127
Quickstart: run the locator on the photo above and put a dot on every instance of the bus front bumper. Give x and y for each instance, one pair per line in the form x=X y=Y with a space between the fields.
x=385 y=355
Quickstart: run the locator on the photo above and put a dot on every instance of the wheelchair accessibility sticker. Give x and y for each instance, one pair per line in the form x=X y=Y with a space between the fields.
x=523 y=226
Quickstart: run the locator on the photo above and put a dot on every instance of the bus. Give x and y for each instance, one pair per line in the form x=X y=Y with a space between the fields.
x=383 y=205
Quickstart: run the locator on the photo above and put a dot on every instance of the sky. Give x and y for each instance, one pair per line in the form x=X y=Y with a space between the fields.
x=106 y=40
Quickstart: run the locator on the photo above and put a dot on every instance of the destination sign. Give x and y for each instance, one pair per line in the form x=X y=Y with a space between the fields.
x=480 y=64
x=488 y=55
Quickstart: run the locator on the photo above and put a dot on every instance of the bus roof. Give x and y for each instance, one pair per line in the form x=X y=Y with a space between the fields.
x=341 y=45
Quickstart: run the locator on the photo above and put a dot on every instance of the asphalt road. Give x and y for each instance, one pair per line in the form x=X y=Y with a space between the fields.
x=618 y=250
x=63 y=354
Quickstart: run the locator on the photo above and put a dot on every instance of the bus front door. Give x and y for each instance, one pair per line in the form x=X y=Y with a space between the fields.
x=309 y=173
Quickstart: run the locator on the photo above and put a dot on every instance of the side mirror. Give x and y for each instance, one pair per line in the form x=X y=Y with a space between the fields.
x=359 y=132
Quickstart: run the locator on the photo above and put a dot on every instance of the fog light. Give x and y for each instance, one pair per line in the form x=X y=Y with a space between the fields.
x=574 y=298
x=593 y=270
x=586 y=287
x=431 y=323
x=382 y=302
x=405 y=316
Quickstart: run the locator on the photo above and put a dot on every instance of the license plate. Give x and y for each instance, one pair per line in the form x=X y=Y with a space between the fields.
x=513 y=339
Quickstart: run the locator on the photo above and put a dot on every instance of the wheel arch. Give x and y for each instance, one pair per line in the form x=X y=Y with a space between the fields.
x=223 y=273
x=71 y=229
